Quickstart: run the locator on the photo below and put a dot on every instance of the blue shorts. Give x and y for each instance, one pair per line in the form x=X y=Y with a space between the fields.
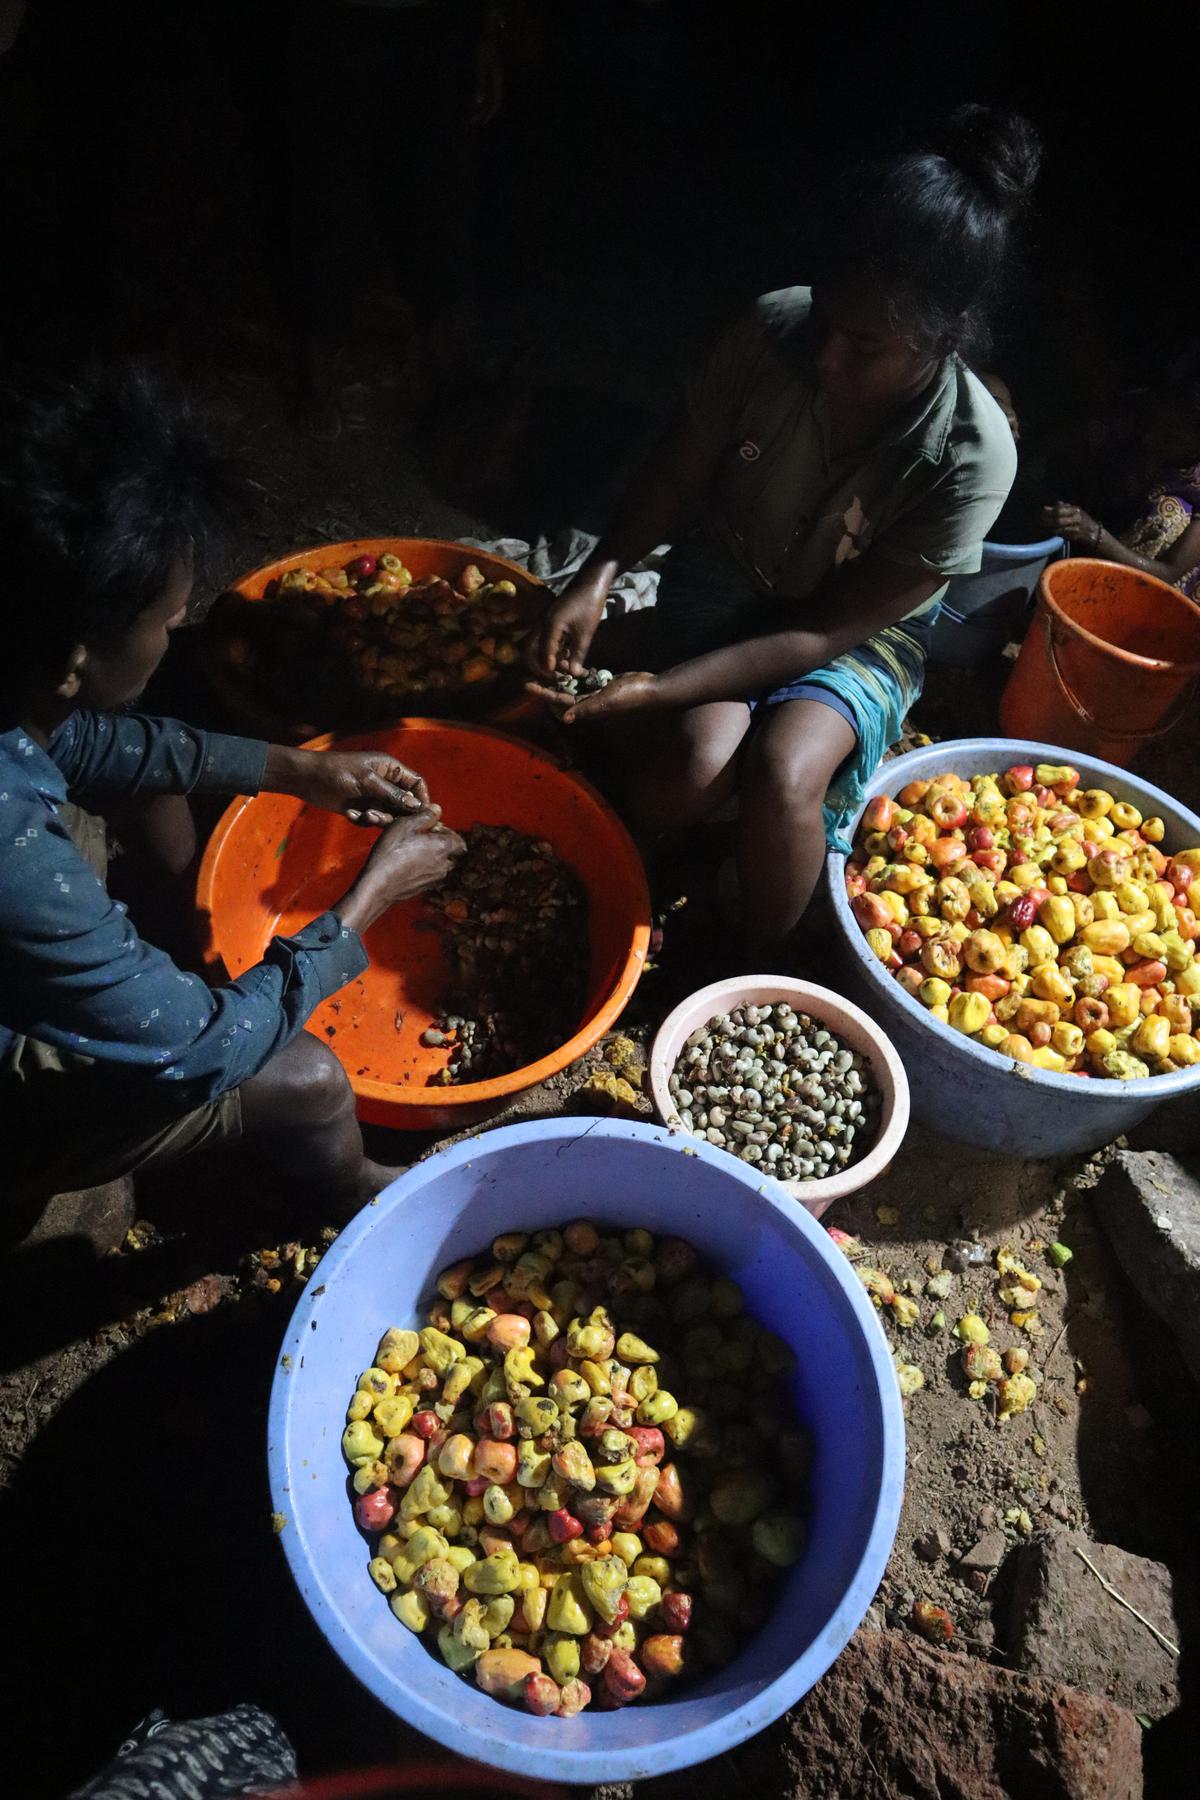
x=805 y=689
x=707 y=601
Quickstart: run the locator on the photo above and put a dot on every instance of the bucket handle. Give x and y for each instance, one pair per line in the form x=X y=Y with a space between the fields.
x=1077 y=706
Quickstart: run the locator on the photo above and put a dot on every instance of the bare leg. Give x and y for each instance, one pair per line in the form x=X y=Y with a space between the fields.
x=163 y=828
x=298 y=1116
x=685 y=769
x=781 y=834
x=157 y=874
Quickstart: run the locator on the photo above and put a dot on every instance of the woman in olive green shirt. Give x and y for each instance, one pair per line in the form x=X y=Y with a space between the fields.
x=837 y=463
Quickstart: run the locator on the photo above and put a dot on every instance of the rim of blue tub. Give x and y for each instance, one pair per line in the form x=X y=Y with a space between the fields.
x=1018 y=553
x=978 y=755
x=683 y=1749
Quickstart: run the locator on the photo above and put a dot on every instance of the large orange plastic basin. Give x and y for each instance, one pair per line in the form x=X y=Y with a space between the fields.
x=273 y=864
x=500 y=698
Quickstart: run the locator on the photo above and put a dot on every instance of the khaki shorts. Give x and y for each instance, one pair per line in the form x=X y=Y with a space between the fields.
x=68 y=1121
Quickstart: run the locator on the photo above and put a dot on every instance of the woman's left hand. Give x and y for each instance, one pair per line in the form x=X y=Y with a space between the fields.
x=635 y=692
x=1072 y=523
x=368 y=787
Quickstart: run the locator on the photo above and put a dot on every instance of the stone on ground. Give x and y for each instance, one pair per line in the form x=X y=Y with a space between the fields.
x=1149 y=1204
x=896 y=1717
x=987 y=1554
x=1065 y=1627
x=100 y=1216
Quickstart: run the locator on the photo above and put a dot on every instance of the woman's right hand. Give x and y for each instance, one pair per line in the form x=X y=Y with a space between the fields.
x=569 y=627
x=413 y=853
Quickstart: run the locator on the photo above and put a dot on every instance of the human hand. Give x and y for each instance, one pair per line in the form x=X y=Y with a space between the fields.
x=412 y=854
x=638 y=691
x=1072 y=523
x=408 y=856
x=569 y=626
x=368 y=787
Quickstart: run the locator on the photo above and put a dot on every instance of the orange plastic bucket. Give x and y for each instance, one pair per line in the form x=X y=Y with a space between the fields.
x=273 y=864
x=1110 y=661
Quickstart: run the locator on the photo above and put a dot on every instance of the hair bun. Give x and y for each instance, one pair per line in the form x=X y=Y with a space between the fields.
x=998 y=150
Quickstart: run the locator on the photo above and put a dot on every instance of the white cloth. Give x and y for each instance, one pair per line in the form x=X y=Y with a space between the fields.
x=555 y=560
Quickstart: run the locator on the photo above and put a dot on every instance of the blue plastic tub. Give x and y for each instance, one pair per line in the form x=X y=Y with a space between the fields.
x=380 y=1272
x=983 y=612
x=960 y=1088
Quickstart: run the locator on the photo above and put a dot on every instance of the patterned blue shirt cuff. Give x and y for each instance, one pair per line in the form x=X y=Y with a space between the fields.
x=336 y=952
x=232 y=765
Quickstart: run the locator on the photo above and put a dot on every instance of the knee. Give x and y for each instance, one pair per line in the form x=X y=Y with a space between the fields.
x=312 y=1085
x=792 y=783
x=694 y=766
x=672 y=792
x=323 y=1084
x=705 y=764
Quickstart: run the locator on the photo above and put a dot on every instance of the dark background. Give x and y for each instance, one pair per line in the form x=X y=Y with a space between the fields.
x=652 y=168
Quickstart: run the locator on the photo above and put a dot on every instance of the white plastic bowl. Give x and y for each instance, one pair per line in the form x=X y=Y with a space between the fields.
x=837 y=1015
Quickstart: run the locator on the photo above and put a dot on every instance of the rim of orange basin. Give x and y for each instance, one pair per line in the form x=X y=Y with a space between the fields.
x=620 y=989
x=1154 y=665
x=263 y=719
x=336 y=552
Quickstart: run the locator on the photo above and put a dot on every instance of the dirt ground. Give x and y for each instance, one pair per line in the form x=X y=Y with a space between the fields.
x=136 y=1515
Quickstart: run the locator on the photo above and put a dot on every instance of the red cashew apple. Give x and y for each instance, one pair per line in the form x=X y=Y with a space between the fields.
x=1022 y=913
x=623 y=1680
x=376 y=1510
x=675 y=1610
x=948 y=811
x=542 y=1695
x=563 y=1526
x=872 y=912
x=651 y=1444
x=947 y=852
x=662 y=1539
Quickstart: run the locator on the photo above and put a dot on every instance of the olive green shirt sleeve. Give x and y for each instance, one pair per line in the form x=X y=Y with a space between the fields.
x=942 y=532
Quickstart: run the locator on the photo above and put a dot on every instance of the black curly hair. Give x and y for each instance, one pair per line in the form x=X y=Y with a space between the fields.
x=933 y=230
x=107 y=485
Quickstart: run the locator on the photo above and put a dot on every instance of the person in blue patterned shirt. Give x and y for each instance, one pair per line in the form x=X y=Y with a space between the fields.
x=112 y=1058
